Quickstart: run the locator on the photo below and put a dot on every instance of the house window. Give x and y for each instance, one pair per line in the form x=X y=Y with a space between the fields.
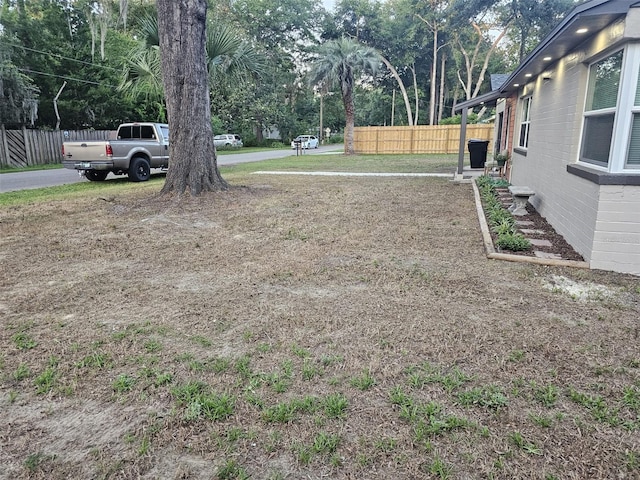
x=611 y=120
x=600 y=110
x=525 y=122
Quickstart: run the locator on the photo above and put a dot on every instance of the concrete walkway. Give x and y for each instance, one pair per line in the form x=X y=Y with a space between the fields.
x=355 y=174
x=467 y=174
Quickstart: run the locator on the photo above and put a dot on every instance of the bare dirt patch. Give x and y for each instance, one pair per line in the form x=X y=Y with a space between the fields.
x=305 y=328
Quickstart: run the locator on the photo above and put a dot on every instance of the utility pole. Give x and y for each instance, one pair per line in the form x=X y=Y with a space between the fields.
x=321 y=112
x=393 y=106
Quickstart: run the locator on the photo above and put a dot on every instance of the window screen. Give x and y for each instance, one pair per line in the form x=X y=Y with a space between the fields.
x=598 y=130
x=637 y=102
x=604 y=81
x=600 y=109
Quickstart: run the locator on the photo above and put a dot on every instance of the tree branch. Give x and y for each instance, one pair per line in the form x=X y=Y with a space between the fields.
x=401 y=85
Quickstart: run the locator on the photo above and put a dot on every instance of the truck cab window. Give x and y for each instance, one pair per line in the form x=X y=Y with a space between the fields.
x=147 y=132
x=124 y=132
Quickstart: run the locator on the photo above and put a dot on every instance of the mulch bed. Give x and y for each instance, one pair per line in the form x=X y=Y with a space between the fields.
x=559 y=245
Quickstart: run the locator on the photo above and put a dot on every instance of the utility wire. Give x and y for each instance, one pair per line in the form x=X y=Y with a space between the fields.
x=59 y=56
x=66 y=78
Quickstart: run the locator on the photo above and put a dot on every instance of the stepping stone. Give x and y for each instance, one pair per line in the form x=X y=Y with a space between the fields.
x=523 y=223
x=547 y=255
x=540 y=243
x=528 y=231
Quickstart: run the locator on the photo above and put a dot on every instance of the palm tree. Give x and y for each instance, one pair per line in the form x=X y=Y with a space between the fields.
x=229 y=59
x=338 y=64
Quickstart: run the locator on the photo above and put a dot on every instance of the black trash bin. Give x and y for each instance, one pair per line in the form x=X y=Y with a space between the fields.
x=477 y=152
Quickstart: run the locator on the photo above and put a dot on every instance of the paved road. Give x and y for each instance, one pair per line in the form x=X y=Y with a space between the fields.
x=61 y=176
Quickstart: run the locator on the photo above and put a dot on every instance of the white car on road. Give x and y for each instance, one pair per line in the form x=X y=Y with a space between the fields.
x=227 y=140
x=305 y=141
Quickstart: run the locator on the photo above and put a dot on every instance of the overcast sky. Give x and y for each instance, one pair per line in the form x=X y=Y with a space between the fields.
x=329 y=4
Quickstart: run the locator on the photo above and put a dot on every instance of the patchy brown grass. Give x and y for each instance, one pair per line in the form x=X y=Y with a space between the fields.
x=302 y=327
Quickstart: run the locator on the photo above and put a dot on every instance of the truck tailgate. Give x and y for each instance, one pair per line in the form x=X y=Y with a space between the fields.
x=85 y=151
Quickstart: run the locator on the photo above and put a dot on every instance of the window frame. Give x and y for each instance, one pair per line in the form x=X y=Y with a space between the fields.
x=635 y=111
x=525 y=121
x=623 y=112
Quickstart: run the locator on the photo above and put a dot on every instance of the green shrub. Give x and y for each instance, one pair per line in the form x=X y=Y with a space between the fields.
x=505 y=227
x=499 y=218
x=514 y=242
x=457 y=119
x=334 y=138
x=499 y=215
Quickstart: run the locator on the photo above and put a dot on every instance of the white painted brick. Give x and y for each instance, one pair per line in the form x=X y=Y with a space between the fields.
x=620 y=227
x=619 y=216
x=613 y=244
x=626 y=193
x=631 y=208
x=624 y=263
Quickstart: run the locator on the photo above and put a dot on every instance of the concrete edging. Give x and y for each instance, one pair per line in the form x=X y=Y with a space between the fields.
x=354 y=174
x=491 y=251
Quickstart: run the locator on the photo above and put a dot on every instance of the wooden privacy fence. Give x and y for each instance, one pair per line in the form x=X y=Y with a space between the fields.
x=23 y=148
x=418 y=139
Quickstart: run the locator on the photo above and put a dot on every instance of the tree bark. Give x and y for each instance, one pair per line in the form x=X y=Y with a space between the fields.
x=415 y=92
x=193 y=166
x=402 y=89
x=471 y=61
x=443 y=60
x=349 y=111
x=485 y=65
x=434 y=71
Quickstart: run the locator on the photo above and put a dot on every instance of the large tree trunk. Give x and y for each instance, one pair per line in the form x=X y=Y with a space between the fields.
x=193 y=166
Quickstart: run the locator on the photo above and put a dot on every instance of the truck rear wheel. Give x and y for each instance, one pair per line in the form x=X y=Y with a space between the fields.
x=96 y=175
x=139 y=170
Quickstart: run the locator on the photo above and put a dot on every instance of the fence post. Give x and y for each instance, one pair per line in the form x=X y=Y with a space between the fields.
x=377 y=130
x=27 y=146
x=411 y=137
x=4 y=147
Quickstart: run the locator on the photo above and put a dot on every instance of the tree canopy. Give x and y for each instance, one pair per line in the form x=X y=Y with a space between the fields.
x=435 y=53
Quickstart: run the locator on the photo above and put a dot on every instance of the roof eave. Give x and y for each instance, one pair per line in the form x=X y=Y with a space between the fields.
x=487 y=98
x=560 y=41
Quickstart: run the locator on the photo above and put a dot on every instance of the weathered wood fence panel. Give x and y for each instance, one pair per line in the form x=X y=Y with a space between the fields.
x=23 y=148
x=419 y=139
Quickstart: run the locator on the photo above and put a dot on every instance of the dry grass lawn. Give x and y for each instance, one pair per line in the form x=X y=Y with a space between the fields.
x=304 y=327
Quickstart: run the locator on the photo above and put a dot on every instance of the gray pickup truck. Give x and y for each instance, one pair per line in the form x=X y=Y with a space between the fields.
x=138 y=148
